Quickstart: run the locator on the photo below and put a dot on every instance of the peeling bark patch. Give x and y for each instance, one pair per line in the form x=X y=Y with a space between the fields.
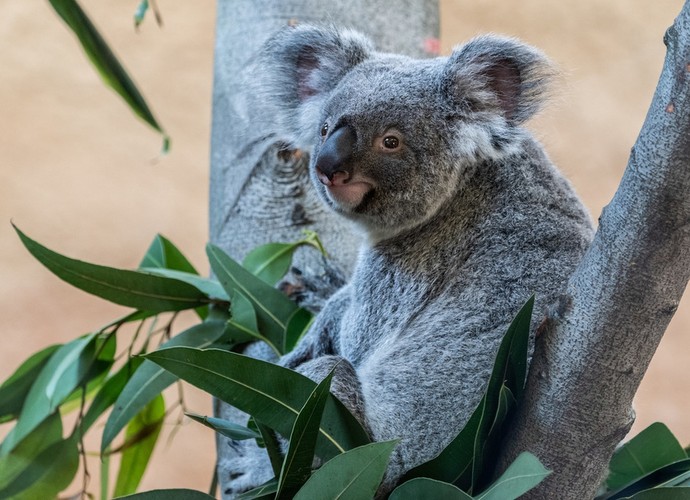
x=670 y=108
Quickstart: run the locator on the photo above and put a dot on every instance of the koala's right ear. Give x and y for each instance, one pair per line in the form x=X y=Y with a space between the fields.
x=301 y=66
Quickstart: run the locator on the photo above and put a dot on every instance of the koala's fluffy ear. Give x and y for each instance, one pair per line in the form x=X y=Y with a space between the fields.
x=492 y=73
x=302 y=65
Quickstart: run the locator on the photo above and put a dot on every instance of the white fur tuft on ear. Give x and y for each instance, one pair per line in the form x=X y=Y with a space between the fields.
x=497 y=73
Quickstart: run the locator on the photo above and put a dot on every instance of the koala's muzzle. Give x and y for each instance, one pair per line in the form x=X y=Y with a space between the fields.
x=333 y=166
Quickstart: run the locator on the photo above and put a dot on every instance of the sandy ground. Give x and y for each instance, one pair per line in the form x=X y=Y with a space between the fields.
x=80 y=174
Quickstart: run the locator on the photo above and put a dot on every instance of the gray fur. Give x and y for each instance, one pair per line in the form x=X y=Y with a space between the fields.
x=463 y=223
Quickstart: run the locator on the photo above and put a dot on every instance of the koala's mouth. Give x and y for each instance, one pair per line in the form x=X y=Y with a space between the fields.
x=349 y=195
x=344 y=191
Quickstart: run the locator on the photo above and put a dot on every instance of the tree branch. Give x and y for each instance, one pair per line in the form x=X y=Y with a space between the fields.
x=588 y=366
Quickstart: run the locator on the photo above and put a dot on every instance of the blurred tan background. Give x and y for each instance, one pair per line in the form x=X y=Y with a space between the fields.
x=79 y=173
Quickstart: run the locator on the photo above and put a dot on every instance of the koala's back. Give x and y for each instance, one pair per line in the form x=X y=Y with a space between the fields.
x=428 y=308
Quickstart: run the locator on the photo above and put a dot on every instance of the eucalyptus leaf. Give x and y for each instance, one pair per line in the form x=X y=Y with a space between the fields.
x=105 y=62
x=300 y=453
x=228 y=429
x=273 y=308
x=270 y=441
x=652 y=448
x=297 y=326
x=423 y=488
x=171 y=494
x=659 y=477
x=47 y=433
x=521 y=476
x=265 y=491
x=149 y=380
x=142 y=433
x=353 y=475
x=270 y=262
x=272 y=394
x=667 y=493
x=163 y=254
x=108 y=393
x=243 y=321
x=207 y=286
x=63 y=373
x=43 y=476
x=128 y=288
x=14 y=390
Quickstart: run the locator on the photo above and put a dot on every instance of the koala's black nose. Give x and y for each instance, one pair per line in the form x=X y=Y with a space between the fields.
x=333 y=164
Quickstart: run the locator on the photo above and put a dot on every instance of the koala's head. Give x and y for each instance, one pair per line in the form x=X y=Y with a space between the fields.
x=393 y=138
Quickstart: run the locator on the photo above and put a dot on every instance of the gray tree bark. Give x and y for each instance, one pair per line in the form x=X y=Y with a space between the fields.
x=259 y=192
x=585 y=372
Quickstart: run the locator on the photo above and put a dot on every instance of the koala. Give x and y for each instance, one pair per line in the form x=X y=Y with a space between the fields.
x=463 y=218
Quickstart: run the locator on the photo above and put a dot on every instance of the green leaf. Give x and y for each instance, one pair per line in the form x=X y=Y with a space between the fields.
x=128 y=288
x=47 y=433
x=682 y=493
x=652 y=448
x=225 y=427
x=65 y=370
x=142 y=433
x=354 y=475
x=273 y=308
x=31 y=471
x=14 y=390
x=163 y=254
x=272 y=394
x=149 y=380
x=108 y=393
x=264 y=492
x=300 y=454
x=172 y=494
x=207 y=286
x=243 y=321
x=270 y=441
x=270 y=262
x=521 y=476
x=423 y=488
x=140 y=12
x=663 y=476
x=298 y=324
x=105 y=62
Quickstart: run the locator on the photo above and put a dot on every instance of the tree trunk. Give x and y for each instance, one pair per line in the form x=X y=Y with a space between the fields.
x=259 y=192
x=586 y=370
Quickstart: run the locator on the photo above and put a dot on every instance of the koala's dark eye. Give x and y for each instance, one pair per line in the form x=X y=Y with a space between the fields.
x=390 y=142
x=324 y=129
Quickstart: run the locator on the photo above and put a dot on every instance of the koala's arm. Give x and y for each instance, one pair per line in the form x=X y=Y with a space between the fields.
x=317 y=354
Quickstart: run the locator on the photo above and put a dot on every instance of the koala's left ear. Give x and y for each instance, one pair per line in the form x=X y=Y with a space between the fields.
x=492 y=73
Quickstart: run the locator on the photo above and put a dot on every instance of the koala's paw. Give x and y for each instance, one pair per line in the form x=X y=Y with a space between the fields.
x=247 y=470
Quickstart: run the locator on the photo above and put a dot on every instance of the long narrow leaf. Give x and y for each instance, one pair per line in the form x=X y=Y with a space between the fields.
x=658 y=477
x=521 y=476
x=273 y=308
x=105 y=62
x=652 y=448
x=14 y=390
x=47 y=433
x=144 y=430
x=45 y=476
x=225 y=427
x=149 y=380
x=423 y=488
x=264 y=492
x=128 y=288
x=66 y=369
x=353 y=475
x=300 y=454
x=272 y=394
x=163 y=254
x=172 y=494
